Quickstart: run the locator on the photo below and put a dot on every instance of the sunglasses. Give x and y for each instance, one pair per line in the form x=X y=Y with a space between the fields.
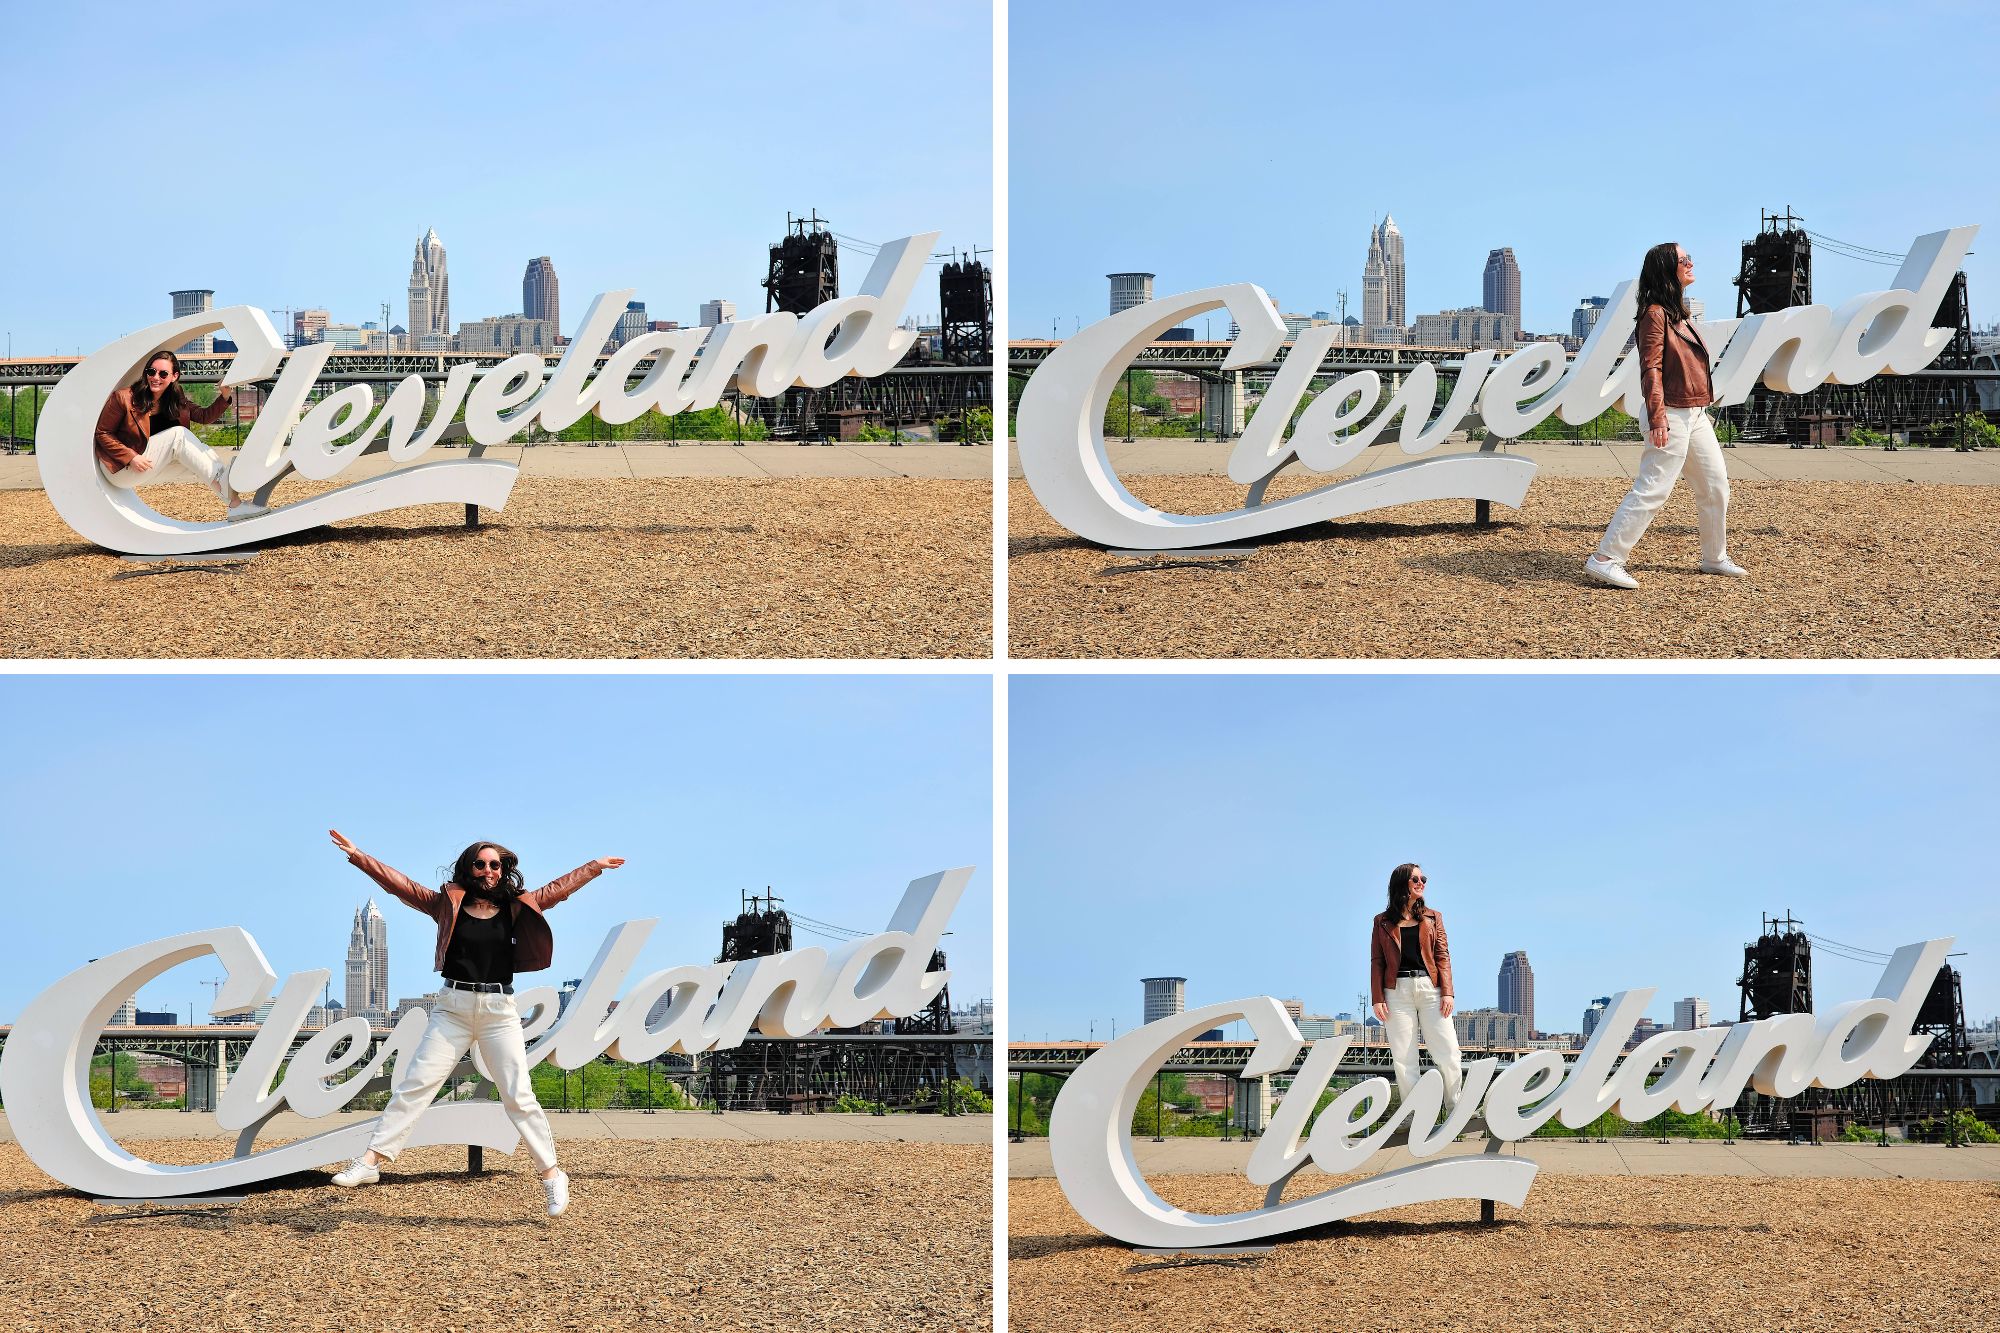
x=159 y=374
x=1418 y=879
x=486 y=865
x=1687 y=261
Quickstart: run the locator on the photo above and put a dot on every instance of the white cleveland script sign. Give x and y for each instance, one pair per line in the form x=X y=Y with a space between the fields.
x=690 y=370
x=1059 y=428
x=45 y=1074
x=1090 y=1133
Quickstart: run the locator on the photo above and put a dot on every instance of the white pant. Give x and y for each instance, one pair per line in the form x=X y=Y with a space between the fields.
x=458 y=1019
x=176 y=455
x=1690 y=441
x=1414 y=1001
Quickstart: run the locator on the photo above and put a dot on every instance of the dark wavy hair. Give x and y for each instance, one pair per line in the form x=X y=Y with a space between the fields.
x=142 y=389
x=1660 y=281
x=510 y=869
x=1399 y=891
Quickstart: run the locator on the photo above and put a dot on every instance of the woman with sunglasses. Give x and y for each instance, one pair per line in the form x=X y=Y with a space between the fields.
x=1674 y=369
x=1409 y=970
x=143 y=436
x=487 y=930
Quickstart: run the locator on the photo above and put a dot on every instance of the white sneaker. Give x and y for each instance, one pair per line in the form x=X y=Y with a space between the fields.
x=556 y=1187
x=359 y=1172
x=1723 y=566
x=1609 y=571
x=246 y=509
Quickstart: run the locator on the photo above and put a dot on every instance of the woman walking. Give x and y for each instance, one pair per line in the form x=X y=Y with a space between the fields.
x=143 y=437
x=1674 y=369
x=488 y=930
x=1409 y=968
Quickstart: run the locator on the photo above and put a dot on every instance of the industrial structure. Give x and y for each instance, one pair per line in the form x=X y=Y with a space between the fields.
x=906 y=1064
x=804 y=268
x=1777 y=979
x=965 y=306
x=1776 y=274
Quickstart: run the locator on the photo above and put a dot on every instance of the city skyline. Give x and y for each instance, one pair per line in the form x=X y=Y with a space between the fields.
x=1456 y=194
x=1129 y=862
x=834 y=791
x=677 y=218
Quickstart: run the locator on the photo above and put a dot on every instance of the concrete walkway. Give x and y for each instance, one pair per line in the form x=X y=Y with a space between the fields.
x=132 y=1126
x=18 y=472
x=1937 y=467
x=1620 y=1157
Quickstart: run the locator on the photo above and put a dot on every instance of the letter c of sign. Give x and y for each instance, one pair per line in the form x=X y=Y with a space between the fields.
x=118 y=520
x=1059 y=429
x=1090 y=1142
x=45 y=1080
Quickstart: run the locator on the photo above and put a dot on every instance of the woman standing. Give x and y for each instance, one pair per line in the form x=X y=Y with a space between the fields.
x=1409 y=968
x=1674 y=378
x=488 y=930
x=143 y=436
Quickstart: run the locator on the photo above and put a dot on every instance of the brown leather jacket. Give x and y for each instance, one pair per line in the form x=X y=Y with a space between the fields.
x=1673 y=365
x=122 y=433
x=1385 y=953
x=534 y=943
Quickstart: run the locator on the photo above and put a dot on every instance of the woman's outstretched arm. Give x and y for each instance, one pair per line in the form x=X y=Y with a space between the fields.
x=393 y=881
x=558 y=889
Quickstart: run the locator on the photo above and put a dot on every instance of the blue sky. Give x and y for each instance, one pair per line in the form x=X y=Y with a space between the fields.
x=1625 y=830
x=1259 y=141
x=134 y=815
x=290 y=156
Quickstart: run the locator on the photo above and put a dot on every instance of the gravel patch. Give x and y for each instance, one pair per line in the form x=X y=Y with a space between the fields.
x=1837 y=570
x=1588 y=1254
x=686 y=567
x=683 y=1235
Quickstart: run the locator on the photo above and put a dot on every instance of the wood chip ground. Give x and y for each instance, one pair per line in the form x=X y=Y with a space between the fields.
x=685 y=1235
x=1587 y=1254
x=707 y=567
x=1838 y=570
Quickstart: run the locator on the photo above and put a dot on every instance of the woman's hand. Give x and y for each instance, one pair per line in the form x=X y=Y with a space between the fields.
x=340 y=841
x=140 y=463
x=1659 y=434
x=608 y=862
x=1381 y=1012
x=1445 y=1006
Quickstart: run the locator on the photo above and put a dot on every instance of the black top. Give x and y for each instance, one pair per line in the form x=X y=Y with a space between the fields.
x=162 y=419
x=481 y=950
x=1413 y=957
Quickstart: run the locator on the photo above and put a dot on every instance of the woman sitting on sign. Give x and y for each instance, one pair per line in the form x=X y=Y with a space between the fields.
x=143 y=436
x=1674 y=378
x=488 y=930
x=1409 y=969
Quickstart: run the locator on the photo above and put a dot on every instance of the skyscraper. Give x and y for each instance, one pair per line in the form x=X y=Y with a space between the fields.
x=368 y=964
x=630 y=324
x=1517 y=987
x=1502 y=285
x=194 y=301
x=1165 y=996
x=540 y=297
x=1129 y=289
x=717 y=312
x=430 y=300
x=1593 y=1012
x=1384 y=312
x=1584 y=318
x=1690 y=1014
